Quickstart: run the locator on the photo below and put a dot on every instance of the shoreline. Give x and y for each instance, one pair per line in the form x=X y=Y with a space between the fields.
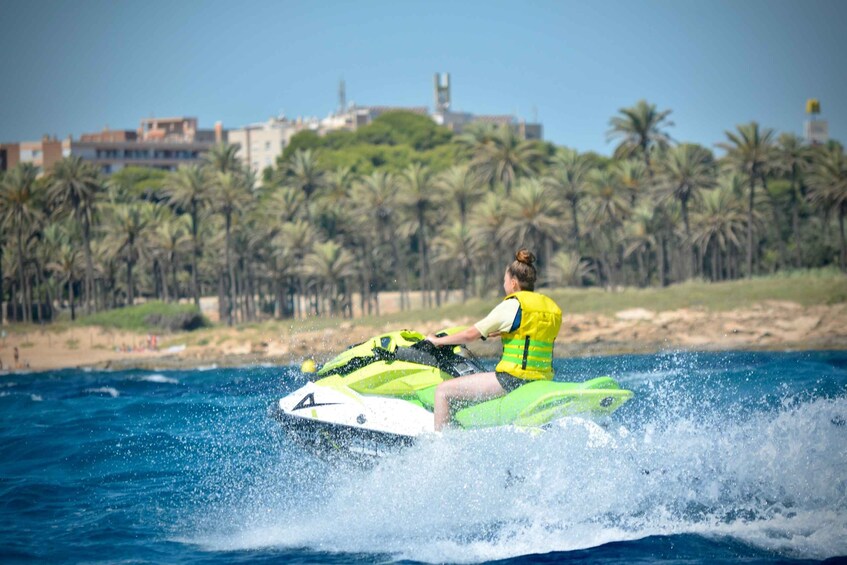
x=767 y=326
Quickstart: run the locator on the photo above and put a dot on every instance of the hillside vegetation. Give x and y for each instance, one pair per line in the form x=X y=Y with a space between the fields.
x=402 y=205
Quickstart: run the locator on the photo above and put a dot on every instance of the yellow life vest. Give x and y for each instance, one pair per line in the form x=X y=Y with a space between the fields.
x=528 y=351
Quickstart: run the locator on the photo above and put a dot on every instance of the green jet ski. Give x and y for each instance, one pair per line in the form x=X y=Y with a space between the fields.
x=378 y=396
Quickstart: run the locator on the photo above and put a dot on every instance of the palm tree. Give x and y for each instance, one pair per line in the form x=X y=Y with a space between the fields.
x=610 y=207
x=793 y=159
x=456 y=248
x=305 y=174
x=828 y=190
x=718 y=224
x=125 y=227
x=18 y=212
x=640 y=238
x=252 y=242
x=749 y=151
x=534 y=218
x=75 y=188
x=376 y=202
x=188 y=189
x=66 y=264
x=461 y=186
x=222 y=158
x=609 y=198
x=293 y=242
x=420 y=196
x=284 y=204
x=338 y=183
x=566 y=268
x=475 y=135
x=231 y=193
x=107 y=266
x=641 y=128
x=171 y=237
x=568 y=178
x=633 y=176
x=486 y=224
x=331 y=265
x=504 y=156
x=684 y=172
x=53 y=235
x=333 y=211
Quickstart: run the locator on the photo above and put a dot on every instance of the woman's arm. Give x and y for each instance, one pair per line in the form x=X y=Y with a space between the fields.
x=465 y=336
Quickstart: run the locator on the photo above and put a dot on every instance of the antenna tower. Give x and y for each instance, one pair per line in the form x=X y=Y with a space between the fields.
x=342 y=97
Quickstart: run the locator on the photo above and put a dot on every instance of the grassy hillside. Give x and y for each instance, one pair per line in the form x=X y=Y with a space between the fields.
x=802 y=287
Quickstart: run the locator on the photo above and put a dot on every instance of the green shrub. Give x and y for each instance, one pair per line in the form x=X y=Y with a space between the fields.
x=151 y=316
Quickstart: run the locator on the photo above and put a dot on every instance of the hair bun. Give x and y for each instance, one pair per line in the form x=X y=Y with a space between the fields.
x=525 y=256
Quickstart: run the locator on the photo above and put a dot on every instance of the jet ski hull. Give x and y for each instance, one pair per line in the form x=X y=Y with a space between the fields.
x=331 y=440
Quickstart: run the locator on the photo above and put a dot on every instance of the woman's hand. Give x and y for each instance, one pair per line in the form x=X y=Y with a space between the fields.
x=465 y=336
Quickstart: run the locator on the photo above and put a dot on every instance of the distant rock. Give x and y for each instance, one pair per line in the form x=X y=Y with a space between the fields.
x=635 y=314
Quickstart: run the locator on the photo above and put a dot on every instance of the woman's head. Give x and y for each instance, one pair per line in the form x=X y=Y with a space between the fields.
x=521 y=272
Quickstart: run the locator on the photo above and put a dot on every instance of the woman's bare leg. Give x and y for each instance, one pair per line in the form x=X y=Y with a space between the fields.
x=482 y=386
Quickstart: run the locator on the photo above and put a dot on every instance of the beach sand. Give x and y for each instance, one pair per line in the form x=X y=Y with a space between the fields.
x=770 y=325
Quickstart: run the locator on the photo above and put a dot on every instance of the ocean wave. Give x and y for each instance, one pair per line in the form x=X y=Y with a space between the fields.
x=157 y=378
x=103 y=391
x=33 y=397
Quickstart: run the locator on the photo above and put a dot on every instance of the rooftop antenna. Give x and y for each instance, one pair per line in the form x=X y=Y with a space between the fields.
x=442 y=92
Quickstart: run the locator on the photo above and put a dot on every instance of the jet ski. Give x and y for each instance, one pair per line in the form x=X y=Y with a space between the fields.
x=377 y=397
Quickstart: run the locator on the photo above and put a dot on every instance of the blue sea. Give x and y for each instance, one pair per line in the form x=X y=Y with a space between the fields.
x=732 y=457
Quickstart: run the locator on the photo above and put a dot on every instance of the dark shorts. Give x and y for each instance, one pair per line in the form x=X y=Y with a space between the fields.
x=509 y=382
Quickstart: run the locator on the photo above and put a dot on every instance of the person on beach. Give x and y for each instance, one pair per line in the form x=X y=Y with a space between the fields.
x=527 y=322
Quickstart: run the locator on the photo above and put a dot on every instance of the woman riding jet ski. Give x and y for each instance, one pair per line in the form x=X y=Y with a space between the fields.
x=389 y=390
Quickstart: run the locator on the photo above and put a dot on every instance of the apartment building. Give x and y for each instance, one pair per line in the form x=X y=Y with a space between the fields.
x=162 y=143
x=42 y=153
x=261 y=143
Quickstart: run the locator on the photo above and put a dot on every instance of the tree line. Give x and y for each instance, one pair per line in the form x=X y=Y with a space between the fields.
x=405 y=205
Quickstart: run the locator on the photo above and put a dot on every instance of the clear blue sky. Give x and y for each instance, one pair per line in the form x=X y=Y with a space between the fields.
x=70 y=67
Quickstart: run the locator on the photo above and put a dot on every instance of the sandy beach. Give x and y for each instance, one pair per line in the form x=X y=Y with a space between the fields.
x=772 y=325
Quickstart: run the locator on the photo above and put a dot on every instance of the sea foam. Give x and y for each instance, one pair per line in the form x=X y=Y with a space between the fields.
x=771 y=479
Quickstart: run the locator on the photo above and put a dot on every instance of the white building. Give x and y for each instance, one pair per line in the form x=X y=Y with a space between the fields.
x=260 y=144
